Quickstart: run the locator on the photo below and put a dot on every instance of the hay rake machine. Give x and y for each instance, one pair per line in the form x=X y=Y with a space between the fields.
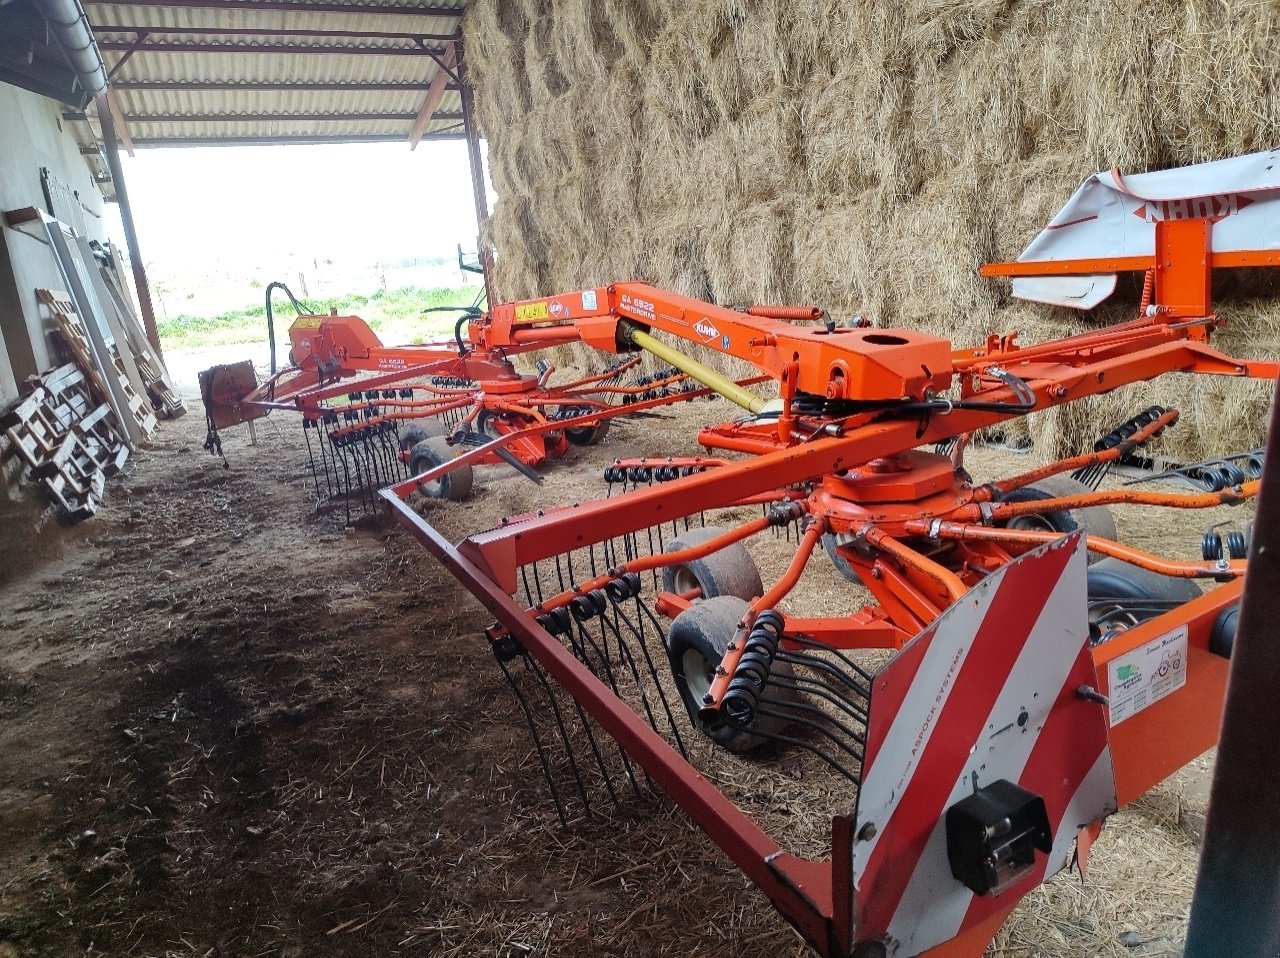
x=999 y=676
x=373 y=414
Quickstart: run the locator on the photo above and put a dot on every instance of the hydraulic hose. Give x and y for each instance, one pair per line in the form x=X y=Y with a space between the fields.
x=271 y=326
x=468 y=313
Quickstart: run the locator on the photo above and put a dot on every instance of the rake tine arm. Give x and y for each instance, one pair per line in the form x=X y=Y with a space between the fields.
x=311 y=397
x=1172 y=500
x=1220 y=569
x=1004 y=486
x=947 y=580
x=742 y=839
x=733 y=654
x=589 y=419
x=657 y=561
x=601 y=376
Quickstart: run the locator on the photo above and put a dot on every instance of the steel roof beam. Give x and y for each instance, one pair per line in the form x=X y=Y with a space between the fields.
x=119 y=46
x=288 y=6
x=284 y=117
x=472 y=136
x=106 y=30
x=138 y=41
x=146 y=142
x=112 y=151
x=219 y=86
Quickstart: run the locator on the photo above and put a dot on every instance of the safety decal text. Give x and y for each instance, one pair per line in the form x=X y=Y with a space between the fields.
x=1140 y=678
x=528 y=312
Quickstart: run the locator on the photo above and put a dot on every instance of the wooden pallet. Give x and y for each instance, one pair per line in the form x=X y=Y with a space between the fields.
x=70 y=441
x=36 y=425
x=77 y=340
x=166 y=401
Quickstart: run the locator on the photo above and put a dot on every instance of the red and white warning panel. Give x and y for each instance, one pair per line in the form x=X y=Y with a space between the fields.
x=986 y=754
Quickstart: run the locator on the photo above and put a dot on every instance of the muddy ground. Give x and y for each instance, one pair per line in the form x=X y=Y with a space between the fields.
x=230 y=726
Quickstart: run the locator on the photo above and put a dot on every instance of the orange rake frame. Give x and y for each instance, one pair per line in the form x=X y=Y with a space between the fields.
x=839 y=452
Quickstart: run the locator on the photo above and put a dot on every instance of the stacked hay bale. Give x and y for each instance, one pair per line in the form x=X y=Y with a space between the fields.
x=867 y=156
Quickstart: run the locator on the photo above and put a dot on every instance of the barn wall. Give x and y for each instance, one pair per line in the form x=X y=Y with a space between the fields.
x=31 y=137
x=867 y=156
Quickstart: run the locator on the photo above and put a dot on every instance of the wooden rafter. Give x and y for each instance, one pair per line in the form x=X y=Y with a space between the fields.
x=117 y=114
x=432 y=100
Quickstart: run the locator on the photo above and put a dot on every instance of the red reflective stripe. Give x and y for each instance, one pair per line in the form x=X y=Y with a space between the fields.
x=889 y=699
x=1062 y=226
x=1059 y=757
x=1013 y=612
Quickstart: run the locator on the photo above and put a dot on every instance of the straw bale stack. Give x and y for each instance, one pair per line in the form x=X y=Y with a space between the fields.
x=868 y=156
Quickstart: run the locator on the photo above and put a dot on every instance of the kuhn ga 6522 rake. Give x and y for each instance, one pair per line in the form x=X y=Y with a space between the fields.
x=374 y=414
x=1034 y=674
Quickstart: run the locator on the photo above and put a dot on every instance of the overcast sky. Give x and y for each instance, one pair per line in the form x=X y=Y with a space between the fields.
x=364 y=201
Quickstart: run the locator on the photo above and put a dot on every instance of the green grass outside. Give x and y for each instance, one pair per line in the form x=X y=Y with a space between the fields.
x=396 y=314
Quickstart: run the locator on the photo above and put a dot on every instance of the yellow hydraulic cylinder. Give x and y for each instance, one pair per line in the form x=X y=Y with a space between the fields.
x=723 y=385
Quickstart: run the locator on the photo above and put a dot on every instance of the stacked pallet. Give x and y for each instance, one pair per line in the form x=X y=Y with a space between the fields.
x=76 y=339
x=68 y=438
x=78 y=423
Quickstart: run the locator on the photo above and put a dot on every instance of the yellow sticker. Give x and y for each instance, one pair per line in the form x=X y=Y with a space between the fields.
x=307 y=322
x=527 y=312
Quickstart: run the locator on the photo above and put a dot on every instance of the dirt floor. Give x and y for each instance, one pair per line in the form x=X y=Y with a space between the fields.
x=229 y=726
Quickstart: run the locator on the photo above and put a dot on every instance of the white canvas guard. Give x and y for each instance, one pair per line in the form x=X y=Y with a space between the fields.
x=1115 y=215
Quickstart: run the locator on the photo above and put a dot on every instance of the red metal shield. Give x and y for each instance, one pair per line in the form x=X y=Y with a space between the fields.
x=988 y=692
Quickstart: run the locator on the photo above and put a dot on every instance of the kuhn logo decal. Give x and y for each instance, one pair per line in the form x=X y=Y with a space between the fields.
x=706 y=329
x=1192 y=208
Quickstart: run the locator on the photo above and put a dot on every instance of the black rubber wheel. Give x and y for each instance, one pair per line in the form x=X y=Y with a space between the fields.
x=414 y=432
x=588 y=435
x=1112 y=578
x=1092 y=520
x=843 y=565
x=429 y=453
x=696 y=643
x=486 y=423
x=1123 y=595
x=731 y=571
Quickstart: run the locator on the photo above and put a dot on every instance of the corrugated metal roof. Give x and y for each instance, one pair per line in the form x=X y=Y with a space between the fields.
x=240 y=71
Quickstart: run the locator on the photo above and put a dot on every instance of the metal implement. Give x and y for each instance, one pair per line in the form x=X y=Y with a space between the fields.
x=367 y=408
x=1027 y=693
x=1002 y=674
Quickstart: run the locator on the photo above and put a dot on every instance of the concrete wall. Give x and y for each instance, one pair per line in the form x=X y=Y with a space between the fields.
x=32 y=135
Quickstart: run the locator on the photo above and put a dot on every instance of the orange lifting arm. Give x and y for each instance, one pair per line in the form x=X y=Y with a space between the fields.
x=1122 y=264
x=888 y=365
x=844 y=363
x=1182 y=265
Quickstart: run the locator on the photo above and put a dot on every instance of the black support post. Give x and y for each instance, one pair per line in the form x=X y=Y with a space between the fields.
x=1236 y=908
x=477 y=167
x=112 y=150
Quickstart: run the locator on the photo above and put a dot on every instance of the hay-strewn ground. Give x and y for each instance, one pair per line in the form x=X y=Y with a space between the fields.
x=866 y=156
x=230 y=728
